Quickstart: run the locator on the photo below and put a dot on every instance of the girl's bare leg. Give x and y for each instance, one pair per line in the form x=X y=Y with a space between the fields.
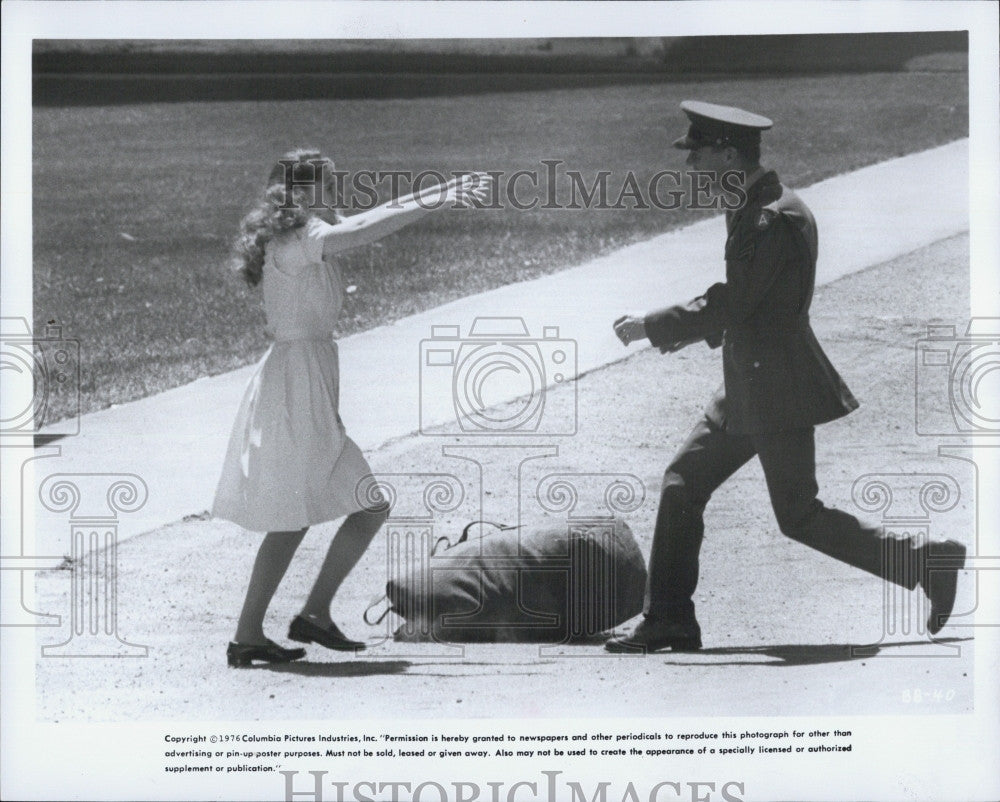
x=350 y=542
x=273 y=557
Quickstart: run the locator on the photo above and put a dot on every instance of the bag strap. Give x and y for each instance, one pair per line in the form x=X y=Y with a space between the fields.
x=376 y=601
x=443 y=539
x=465 y=534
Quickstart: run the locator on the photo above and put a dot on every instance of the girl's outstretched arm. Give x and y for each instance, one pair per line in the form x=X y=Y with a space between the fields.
x=367 y=227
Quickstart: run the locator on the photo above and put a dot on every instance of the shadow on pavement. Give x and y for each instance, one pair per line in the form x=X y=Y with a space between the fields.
x=782 y=655
x=805 y=654
x=353 y=668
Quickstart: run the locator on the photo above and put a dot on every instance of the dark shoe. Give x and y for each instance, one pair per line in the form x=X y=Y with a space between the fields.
x=240 y=655
x=304 y=631
x=652 y=635
x=939 y=579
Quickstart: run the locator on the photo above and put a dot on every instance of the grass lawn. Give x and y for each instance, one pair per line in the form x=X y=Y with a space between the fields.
x=135 y=206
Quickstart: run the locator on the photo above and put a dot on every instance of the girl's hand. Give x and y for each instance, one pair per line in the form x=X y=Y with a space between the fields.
x=471 y=189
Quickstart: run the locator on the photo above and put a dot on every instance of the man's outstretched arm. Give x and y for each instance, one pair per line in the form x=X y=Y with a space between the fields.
x=674 y=327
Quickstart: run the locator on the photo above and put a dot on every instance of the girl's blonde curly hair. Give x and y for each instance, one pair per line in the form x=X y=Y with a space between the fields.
x=283 y=207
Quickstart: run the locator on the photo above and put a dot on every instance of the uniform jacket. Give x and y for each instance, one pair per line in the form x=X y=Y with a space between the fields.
x=776 y=374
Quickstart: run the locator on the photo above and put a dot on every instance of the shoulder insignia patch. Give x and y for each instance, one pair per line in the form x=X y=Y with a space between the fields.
x=764 y=218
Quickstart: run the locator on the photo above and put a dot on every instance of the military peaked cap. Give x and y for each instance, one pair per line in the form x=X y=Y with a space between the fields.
x=716 y=125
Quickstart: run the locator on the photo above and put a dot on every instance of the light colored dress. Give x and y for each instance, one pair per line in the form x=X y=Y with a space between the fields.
x=290 y=464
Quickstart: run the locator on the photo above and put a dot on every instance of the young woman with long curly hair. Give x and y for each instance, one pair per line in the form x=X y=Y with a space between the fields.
x=290 y=464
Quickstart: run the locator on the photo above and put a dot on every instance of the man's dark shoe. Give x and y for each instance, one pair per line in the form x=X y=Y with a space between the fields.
x=939 y=579
x=652 y=635
x=304 y=631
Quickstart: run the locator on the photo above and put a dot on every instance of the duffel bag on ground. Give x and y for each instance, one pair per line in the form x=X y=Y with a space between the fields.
x=545 y=583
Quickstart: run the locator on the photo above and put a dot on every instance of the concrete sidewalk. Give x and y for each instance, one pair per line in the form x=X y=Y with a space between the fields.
x=175 y=441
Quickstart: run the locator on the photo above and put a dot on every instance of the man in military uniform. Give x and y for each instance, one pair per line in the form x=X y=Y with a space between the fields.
x=778 y=385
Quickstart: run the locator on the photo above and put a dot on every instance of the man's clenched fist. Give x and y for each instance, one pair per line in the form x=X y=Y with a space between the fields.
x=631 y=327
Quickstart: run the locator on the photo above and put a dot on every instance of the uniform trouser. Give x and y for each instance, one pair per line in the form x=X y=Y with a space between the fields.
x=704 y=462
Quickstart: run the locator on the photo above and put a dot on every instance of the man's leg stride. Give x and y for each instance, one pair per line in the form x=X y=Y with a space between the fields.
x=789 y=463
x=703 y=463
